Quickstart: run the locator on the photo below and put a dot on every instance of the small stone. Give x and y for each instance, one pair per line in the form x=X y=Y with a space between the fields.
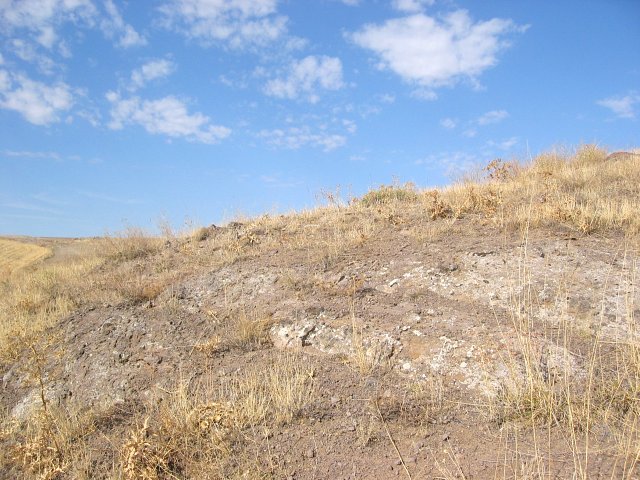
x=445 y=437
x=412 y=459
x=334 y=400
x=310 y=453
x=394 y=282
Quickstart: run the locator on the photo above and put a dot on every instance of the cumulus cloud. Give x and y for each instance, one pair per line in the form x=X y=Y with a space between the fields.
x=166 y=116
x=306 y=77
x=237 y=23
x=150 y=71
x=622 y=106
x=294 y=138
x=411 y=6
x=430 y=52
x=41 y=17
x=114 y=26
x=38 y=103
x=494 y=116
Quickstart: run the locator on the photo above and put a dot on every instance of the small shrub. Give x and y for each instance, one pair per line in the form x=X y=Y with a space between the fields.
x=133 y=243
x=200 y=234
x=388 y=194
x=439 y=207
x=500 y=171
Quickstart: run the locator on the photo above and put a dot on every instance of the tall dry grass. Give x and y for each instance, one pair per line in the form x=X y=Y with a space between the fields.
x=581 y=190
x=566 y=382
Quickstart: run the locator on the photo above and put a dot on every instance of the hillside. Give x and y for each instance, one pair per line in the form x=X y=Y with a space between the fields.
x=484 y=330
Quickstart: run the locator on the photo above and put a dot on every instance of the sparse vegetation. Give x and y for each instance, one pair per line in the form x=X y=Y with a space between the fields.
x=547 y=379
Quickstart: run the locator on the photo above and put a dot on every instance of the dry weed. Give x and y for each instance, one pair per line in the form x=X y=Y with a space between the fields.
x=579 y=397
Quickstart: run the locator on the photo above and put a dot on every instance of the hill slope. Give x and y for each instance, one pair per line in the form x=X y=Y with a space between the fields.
x=486 y=330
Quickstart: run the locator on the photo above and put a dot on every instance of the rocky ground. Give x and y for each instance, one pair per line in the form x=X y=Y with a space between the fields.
x=405 y=337
x=406 y=343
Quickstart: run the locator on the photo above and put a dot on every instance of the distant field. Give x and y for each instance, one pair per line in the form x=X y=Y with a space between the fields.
x=15 y=255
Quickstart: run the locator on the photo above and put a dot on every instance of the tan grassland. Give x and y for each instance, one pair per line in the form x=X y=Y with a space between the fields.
x=15 y=255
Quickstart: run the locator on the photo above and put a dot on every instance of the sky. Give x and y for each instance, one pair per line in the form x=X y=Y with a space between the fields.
x=191 y=112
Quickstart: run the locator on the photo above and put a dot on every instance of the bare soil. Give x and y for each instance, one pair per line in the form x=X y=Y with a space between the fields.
x=435 y=321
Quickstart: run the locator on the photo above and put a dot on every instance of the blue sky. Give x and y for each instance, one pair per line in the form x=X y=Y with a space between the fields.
x=117 y=113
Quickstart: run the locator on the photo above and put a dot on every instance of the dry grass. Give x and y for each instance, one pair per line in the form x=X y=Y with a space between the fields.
x=33 y=300
x=17 y=255
x=587 y=398
x=130 y=244
x=197 y=434
x=581 y=190
x=194 y=434
x=248 y=330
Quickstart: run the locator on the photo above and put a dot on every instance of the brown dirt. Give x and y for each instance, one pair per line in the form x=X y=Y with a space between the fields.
x=438 y=310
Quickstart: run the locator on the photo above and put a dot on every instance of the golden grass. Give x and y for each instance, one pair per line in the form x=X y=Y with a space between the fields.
x=582 y=190
x=33 y=300
x=17 y=255
x=195 y=434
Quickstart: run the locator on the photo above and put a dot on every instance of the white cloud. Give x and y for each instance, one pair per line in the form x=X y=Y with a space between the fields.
x=294 y=138
x=411 y=6
x=350 y=126
x=31 y=207
x=426 y=94
x=623 y=107
x=41 y=17
x=504 y=145
x=114 y=26
x=150 y=71
x=1 y=59
x=37 y=102
x=386 y=98
x=27 y=51
x=448 y=123
x=351 y=3
x=238 y=23
x=165 y=116
x=454 y=163
x=432 y=53
x=30 y=154
x=306 y=76
x=494 y=116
